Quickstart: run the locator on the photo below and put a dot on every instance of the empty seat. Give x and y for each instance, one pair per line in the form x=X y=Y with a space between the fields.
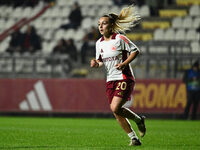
x=65 y=12
x=191 y=35
x=47 y=23
x=17 y=13
x=103 y=10
x=69 y=34
x=169 y=34
x=159 y=34
x=2 y=23
x=38 y=23
x=172 y=12
x=194 y=10
x=60 y=34
x=79 y=34
x=115 y=9
x=9 y=23
x=196 y=22
x=195 y=47
x=86 y=23
x=144 y=11
x=57 y=23
x=177 y=22
x=187 y=22
x=180 y=35
x=26 y=12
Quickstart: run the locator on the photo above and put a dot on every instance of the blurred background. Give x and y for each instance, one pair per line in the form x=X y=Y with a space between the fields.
x=49 y=43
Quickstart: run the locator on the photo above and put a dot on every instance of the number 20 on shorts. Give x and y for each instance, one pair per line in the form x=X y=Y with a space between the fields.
x=121 y=85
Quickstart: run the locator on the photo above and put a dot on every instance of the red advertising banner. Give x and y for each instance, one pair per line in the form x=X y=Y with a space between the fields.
x=84 y=95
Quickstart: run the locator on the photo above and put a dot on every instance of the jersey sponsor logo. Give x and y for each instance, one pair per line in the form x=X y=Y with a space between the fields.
x=110 y=59
x=37 y=99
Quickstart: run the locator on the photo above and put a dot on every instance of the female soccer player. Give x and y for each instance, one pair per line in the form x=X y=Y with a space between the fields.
x=115 y=51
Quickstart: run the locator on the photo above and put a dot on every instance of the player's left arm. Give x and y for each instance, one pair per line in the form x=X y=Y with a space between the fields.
x=131 y=48
x=130 y=58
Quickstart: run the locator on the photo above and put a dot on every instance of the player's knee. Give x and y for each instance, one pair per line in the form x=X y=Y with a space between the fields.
x=115 y=109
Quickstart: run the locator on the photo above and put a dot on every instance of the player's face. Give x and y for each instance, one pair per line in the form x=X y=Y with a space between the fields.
x=104 y=26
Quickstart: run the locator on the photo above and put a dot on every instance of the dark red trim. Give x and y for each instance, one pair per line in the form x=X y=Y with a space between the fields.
x=113 y=37
x=126 y=72
x=100 y=58
x=102 y=39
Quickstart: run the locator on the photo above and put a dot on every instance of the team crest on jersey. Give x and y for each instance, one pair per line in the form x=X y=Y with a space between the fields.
x=113 y=48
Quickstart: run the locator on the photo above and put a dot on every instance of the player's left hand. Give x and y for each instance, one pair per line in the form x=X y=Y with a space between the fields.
x=120 y=66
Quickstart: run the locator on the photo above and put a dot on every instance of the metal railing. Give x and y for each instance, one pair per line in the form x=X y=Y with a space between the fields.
x=157 y=60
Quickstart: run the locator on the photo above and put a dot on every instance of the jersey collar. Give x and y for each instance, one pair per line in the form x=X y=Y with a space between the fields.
x=113 y=37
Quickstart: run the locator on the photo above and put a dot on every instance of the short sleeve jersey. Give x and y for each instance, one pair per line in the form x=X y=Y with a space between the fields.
x=113 y=52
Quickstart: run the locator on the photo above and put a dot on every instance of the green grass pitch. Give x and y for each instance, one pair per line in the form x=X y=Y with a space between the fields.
x=21 y=133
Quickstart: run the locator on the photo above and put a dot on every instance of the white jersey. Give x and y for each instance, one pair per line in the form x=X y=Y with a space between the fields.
x=113 y=52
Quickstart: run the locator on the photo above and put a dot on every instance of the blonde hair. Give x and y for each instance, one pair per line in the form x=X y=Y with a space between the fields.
x=127 y=18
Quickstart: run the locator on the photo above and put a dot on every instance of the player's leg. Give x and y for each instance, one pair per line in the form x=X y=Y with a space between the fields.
x=116 y=107
x=195 y=104
x=124 y=123
x=188 y=105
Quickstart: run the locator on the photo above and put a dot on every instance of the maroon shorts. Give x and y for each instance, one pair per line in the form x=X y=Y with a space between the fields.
x=119 y=88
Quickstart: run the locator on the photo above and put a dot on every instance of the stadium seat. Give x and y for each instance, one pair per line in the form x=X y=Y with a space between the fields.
x=9 y=23
x=194 y=10
x=195 y=47
x=47 y=47
x=57 y=22
x=140 y=36
x=60 y=34
x=196 y=22
x=3 y=46
x=159 y=34
x=55 y=12
x=169 y=34
x=47 y=23
x=2 y=23
x=26 y=12
x=69 y=34
x=65 y=12
x=17 y=13
x=191 y=35
x=187 y=2
x=86 y=23
x=63 y=3
x=177 y=22
x=103 y=10
x=39 y=23
x=180 y=35
x=6 y=11
x=144 y=11
x=172 y=12
x=187 y=22
x=115 y=9
x=155 y=24
x=79 y=34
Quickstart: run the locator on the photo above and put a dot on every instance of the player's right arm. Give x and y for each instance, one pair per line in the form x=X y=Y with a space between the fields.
x=95 y=63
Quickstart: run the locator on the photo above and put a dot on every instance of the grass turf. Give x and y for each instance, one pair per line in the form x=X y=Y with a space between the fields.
x=22 y=133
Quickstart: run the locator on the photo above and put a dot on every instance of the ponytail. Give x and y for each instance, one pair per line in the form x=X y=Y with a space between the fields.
x=127 y=18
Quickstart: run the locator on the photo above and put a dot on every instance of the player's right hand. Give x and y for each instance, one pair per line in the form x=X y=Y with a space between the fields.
x=93 y=63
